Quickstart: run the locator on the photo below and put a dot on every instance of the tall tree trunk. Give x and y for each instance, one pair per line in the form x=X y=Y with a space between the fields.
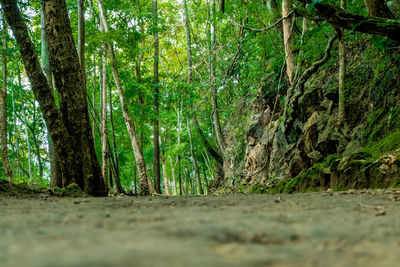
x=342 y=69
x=205 y=177
x=195 y=164
x=71 y=87
x=164 y=169
x=55 y=173
x=37 y=150
x=16 y=133
x=135 y=180
x=3 y=111
x=116 y=176
x=378 y=8
x=188 y=42
x=81 y=38
x=287 y=38
x=104 y=138
x=213 y=85
x=70 y=127
x=179 y=156
x=145 y=183
x=139 y=75
x=189 y=81
x=26 y=128
x=156 y=126
x=173 y=177
x=94 y=95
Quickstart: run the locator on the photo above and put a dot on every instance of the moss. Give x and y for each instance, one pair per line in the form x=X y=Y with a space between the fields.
x=387 y=144
x=340 y=189
x=258 y=189
x=71 y=190
x=291 y=185
x=396 y=184
x=331 y=161
x=5 y=186
x=23 y=187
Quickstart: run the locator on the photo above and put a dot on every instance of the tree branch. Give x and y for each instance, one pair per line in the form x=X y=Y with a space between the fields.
x=342 y=19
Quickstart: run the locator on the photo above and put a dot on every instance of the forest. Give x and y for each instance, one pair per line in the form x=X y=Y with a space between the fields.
x=177 y=97
x=248 y=101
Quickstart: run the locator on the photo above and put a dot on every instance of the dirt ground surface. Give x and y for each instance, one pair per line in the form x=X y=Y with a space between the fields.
x=312 y=229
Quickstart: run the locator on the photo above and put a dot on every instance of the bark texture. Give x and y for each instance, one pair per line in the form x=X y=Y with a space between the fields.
x=55 y=173
x=72 y=95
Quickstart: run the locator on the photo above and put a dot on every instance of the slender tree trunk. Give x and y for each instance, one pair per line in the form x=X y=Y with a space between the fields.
x=205 y=177
x=342 y=69
x=139 y=75
x=179 y=156
x=145 y=183
x=173 y=177
x=37 y=150
x=3 y=111
x=287 y=38
x=156 y=126
x=135 y=180
x=16 y=133
x=26 y=128
x=188 y=42
x=164 y=169
x=94 y=95
x=116 y=176
x=213 y=85
x=195 y=164
x=81 y=38
x=104 y=137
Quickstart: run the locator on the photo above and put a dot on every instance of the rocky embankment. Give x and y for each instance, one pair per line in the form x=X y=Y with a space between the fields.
x=316 y=150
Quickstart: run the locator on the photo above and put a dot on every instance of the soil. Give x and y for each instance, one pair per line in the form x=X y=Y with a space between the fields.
x=312 y=229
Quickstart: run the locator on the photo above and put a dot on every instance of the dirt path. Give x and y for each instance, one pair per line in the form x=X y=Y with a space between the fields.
x=313 y=229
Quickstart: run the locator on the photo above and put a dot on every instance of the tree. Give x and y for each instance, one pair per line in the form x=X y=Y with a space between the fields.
x=145 y=184
x=287 y=37
x=342 y=69
x=3 y=110
x=69 y=126
x=55 y=173
x=156 y=133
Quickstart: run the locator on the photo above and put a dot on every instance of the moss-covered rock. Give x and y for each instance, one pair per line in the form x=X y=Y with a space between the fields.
x=72 y=190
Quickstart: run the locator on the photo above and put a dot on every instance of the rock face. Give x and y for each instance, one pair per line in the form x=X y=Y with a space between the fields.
x=301 y=152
